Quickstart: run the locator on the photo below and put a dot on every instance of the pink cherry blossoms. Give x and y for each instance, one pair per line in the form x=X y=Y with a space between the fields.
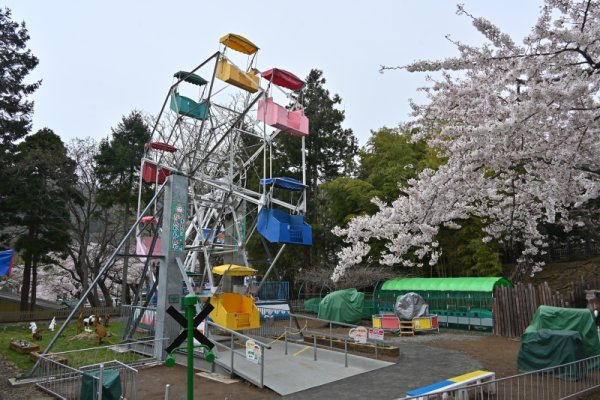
x=519 y=127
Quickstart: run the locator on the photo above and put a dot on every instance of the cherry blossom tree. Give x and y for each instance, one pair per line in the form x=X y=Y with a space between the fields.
x=518 y=125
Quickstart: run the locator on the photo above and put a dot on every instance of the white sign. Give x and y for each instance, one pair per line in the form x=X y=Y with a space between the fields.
x=359 y=334
x=376 y=334
x=253 y=352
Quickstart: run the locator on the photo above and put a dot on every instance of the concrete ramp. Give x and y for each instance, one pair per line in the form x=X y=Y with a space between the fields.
x=296 y=371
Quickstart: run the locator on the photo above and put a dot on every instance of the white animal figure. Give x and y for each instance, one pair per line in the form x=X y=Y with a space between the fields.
x=33 y=327
x=90 y=320
x=52 y=324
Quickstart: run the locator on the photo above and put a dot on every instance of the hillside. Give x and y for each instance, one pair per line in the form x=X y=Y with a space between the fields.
x=561 y=275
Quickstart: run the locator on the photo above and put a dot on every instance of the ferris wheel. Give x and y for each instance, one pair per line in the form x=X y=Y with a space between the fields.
x=217 y=127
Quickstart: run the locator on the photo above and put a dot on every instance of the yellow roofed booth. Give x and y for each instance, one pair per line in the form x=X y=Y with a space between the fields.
x=233 y=270
x=239 y=43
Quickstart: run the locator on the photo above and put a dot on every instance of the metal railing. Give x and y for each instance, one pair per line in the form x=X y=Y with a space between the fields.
x=140 y=352
x=315 y=332
x=58 y=379
x=64 y=382
x=139 y=321
x=333 y=334
x=212 y=330
x=561 y=382
x=274 y=290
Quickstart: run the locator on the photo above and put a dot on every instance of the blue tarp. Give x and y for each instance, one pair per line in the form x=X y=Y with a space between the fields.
x=284 y=183
x=6 y=260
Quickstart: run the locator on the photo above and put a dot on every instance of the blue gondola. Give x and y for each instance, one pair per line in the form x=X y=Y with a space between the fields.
x=278 y=226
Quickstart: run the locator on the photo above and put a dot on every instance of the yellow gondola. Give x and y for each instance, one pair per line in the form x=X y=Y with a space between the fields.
x=234 y=310
x=227 y=72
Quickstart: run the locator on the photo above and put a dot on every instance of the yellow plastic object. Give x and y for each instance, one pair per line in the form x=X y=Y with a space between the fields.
x=234 y=76
x=422 y=323
x=233 y=270
x=234 y=311
x=376 y=321
x=239 y=43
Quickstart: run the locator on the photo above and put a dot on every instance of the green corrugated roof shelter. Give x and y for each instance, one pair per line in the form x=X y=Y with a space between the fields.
x=486 y=284
x=451 y=297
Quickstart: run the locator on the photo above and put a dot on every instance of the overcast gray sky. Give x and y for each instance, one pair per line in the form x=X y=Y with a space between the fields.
x=101 y=59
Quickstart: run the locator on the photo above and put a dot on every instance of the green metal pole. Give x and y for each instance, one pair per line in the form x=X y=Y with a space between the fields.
x=189 y=301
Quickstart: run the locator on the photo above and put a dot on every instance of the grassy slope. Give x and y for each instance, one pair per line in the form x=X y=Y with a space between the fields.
x=21 y=331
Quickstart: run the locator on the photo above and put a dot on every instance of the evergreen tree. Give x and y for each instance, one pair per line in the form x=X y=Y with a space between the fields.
x=118 y=168
x=46 y=177
x=330 y=149
x=16 y=62
x=390 y=159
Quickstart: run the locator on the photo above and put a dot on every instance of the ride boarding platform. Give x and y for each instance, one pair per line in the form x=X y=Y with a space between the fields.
x=298 y=370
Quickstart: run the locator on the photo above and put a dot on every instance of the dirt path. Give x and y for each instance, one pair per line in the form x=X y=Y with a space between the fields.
x=8 y=370
x=152 y=381
x=498 y=354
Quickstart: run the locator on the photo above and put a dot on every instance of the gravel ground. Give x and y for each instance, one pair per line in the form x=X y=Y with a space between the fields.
x=8 y=392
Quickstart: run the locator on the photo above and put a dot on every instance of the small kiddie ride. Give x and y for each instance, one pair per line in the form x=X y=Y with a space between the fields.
x=411 y=315
x=234 y=305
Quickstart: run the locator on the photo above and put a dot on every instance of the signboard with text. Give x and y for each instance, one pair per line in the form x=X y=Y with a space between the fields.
x=253 y=351
x=376 y=334
x=359 y=334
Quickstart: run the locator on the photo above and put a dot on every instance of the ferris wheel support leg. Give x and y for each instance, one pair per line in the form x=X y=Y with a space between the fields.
x=83 y=298
x=264 y=279
x=172 y=247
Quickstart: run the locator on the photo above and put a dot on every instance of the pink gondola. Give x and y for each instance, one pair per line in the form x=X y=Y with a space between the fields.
x=294 y=122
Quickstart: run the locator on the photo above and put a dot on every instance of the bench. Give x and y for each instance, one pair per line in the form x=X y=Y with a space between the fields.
x=443 y=388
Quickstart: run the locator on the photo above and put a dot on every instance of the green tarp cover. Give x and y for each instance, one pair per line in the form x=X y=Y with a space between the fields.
x=575 y=319
x=342 y=306
x=548 y=348
x=446 y=284
x=312 y=305
x=111 y=387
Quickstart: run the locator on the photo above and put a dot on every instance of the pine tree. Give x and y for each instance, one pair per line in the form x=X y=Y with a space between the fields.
x=118 y=168
x=330 y=149
x=46 y=177
x=16 y=62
